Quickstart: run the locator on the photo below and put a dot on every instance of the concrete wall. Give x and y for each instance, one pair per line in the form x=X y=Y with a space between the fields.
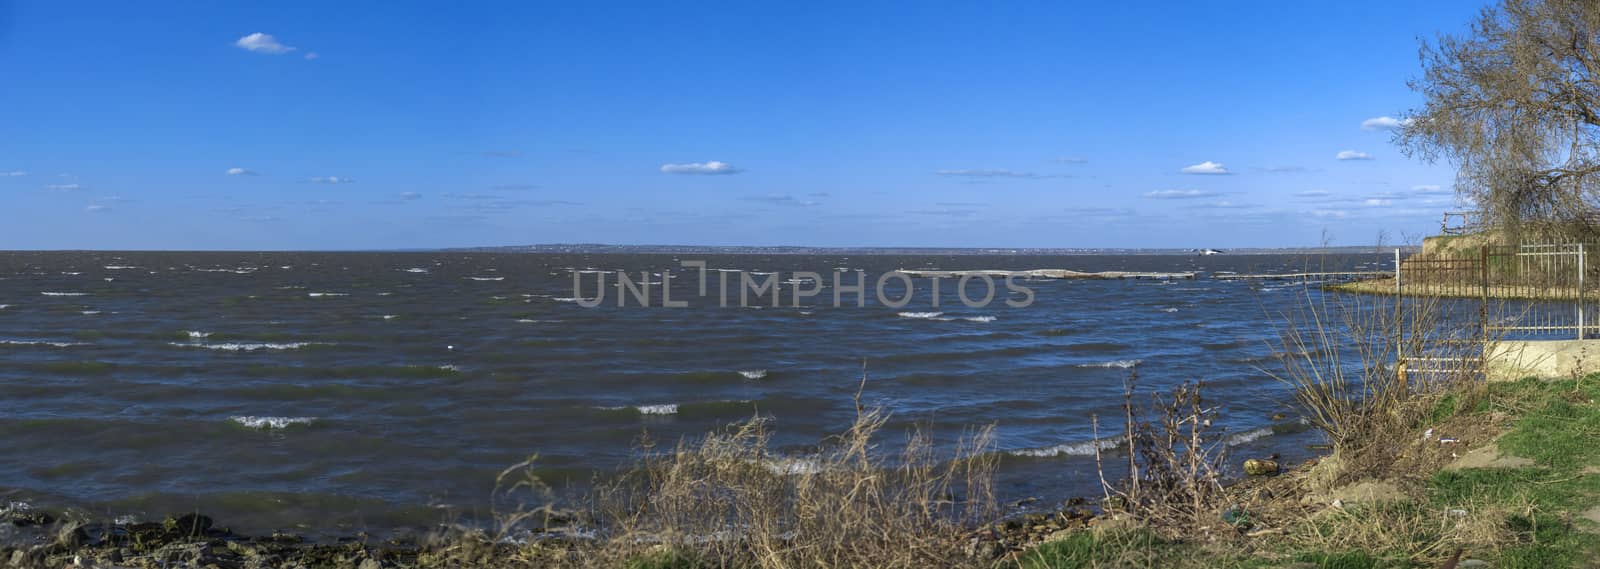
x=1550 y=359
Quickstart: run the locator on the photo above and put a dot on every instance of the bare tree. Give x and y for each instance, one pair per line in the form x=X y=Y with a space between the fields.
x=1515 y=106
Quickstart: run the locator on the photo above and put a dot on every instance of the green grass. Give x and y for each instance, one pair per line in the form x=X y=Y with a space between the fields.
x=1536 y=511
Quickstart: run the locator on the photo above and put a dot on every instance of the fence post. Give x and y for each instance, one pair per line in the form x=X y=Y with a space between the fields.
x=1581 y=297
x=1399 y=313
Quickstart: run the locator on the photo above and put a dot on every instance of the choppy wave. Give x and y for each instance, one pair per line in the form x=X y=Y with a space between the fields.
x=1124 y=364
x=248 y=346
x=196 y=334
x=487 y=278
x=921 y=315
x=793 y=466
x=753 y=373
x=661 y=409
x=416 y=270
x=1085 y=448
x=50 y=293
x=326 y=294
x=41 y=343
x=267 y=423
x=1248 y=436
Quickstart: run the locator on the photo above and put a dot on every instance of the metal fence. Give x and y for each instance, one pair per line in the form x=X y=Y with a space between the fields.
x=1452 y=307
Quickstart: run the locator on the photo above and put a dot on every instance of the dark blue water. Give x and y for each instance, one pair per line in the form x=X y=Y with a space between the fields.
x=388 y=389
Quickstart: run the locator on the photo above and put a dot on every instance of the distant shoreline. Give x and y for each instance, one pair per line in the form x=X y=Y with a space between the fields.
x=592 y=248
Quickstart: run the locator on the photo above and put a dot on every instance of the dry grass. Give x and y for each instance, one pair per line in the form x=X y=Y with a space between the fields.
x=728 y=500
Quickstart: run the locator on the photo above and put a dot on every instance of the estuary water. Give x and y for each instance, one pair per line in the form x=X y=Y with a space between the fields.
x=345 y=391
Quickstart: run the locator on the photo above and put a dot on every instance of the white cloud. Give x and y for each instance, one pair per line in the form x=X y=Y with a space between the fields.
x=1313 y=194
x=13 y=174
x=712 y=167
x=1333 y=213
x=1224 y=204
x=1432 y=190
x=63 y=187
x=331 y=180
x=1353 y=155
x=262 y=43
x=1384 y=123
x=312 y=55
x=410 y=196
x=1377 y=202
x=1071 y=160
x=1207 y=167
x=241 y=172
x=1178 y=194
x=988 y=173
x=94 y=207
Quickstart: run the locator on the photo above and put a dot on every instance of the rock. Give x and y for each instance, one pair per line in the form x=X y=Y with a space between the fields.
x=1260 y=467
x=72 y=536
x=369 y=563
x=1472 y=563
x=30 y=518
x=189 y=524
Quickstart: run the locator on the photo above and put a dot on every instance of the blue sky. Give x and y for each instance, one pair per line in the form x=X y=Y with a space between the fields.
x=351 y=125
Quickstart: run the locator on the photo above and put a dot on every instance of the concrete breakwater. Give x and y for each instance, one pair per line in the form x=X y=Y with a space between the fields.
x=1049 y=274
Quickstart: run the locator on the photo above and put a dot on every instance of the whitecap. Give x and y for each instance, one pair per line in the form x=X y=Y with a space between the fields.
x=1085 y=448
x=247 y=346
x=119 y=267
x=1124 y=364
x=323 y=294
x=753 y=373
x=921 y=315
x=254 y=422
x=1248 y=436
x=979 y=318
x=663 y=409
x=64 y=293
x=390 y=316
x=1169 y=309
x=416 y=270
x=565 y=299
x=196 y=334
x=40 y=343
x=4 y=306
x=89 y=312
x=487 y=278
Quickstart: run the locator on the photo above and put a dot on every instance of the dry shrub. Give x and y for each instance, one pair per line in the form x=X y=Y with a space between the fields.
x=729 y=500
x=1424 y=534
x=1408 y=352
x=1174 y=481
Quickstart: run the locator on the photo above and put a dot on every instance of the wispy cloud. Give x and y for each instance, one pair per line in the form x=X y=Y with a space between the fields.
x=1071 y=160
x=1432 y=190
x=713 y=168
x=781 y=199
x=946 y=212
x=311 y=55
x=1353 y=155
x=1313 y=194
x=988 y=173
x=409 y=196
x=1178 y=194
x=1223 y=204
x=241 y=172
x=263 y=43
x=1384 y=123
x=13 y=174
x=63 y=187
x=513 y=187
x=331 y=180
x=1207 y=167
x=1284 y=169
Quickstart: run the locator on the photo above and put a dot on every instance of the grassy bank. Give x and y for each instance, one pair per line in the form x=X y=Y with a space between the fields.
x=1520 y=488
